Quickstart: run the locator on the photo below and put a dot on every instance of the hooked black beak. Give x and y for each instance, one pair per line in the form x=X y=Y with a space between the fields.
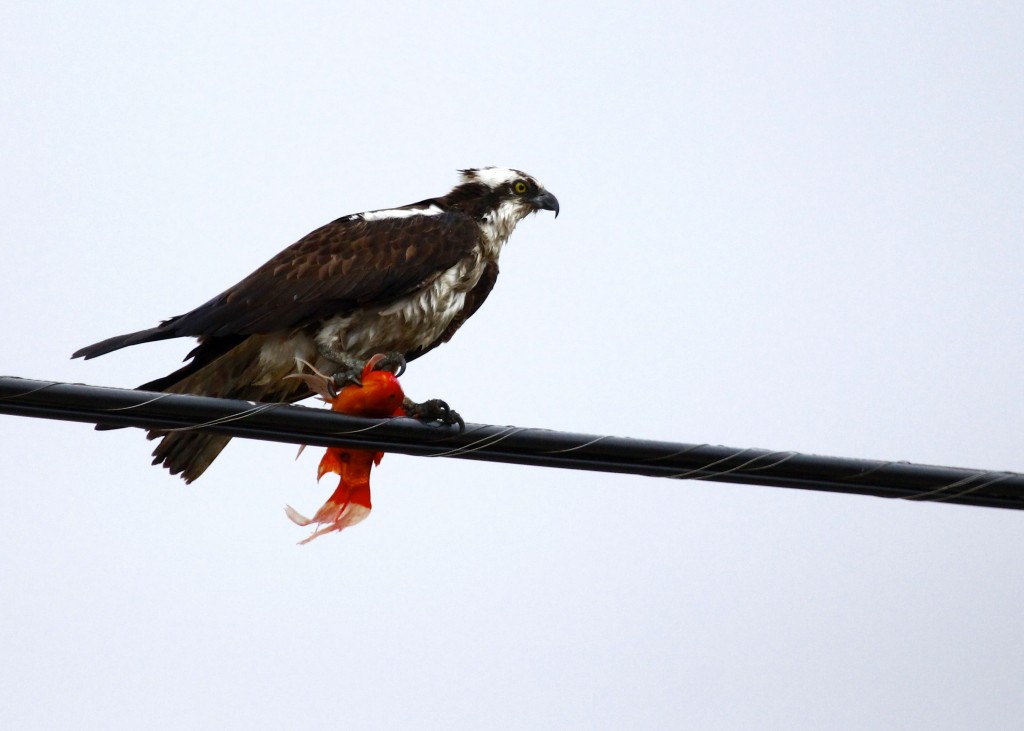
x=545 y=201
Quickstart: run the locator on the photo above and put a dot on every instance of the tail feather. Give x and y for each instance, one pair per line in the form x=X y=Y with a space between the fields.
x=202 y=355
x=223 y=368
x=187 y=453
x=160 y=332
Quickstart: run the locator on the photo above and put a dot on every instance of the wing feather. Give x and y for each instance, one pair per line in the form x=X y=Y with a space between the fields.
x=345 y=264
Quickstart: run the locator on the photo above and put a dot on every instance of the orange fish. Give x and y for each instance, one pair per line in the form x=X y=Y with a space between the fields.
x=379 y=396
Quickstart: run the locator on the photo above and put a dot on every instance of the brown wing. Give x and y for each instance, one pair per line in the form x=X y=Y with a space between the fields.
x=338 y=267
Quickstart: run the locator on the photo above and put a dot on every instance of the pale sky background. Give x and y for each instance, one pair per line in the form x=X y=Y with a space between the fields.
x=791 y=226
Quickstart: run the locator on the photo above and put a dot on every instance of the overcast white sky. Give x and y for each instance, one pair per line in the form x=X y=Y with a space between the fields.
x=784 y=226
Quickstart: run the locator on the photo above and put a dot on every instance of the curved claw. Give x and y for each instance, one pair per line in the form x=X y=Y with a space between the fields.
x=393 y=361
x=434 y=410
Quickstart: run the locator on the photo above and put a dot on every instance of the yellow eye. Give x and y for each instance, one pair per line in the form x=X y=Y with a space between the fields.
x=519 y=187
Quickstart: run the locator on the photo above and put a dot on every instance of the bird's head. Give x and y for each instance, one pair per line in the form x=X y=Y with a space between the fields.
x=514 y=187
x=499 y=198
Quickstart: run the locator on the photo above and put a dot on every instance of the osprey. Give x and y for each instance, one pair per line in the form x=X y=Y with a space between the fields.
x=399 y=281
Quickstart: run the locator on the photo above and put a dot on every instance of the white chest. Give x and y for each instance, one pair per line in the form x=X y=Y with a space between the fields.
x=411 y=322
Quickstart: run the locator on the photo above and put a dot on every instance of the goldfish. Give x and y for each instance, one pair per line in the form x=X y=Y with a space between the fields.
x=378 y=396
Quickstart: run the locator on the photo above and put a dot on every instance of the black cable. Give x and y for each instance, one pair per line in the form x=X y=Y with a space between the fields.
x=528 y=446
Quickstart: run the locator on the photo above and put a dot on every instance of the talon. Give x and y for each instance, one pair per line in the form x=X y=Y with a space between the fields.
x=393 y=361
x=434 y=410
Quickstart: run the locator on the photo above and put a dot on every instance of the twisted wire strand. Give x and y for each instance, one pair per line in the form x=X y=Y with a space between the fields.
x=241 y=416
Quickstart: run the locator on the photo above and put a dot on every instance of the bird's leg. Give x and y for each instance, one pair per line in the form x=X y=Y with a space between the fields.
x=349 y=368
x=433 y=410
x=349 y=373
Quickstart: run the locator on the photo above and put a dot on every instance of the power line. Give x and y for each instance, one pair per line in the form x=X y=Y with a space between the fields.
x=517 y=445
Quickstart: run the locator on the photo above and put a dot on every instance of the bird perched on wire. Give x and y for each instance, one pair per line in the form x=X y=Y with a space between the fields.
x=397 y=281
